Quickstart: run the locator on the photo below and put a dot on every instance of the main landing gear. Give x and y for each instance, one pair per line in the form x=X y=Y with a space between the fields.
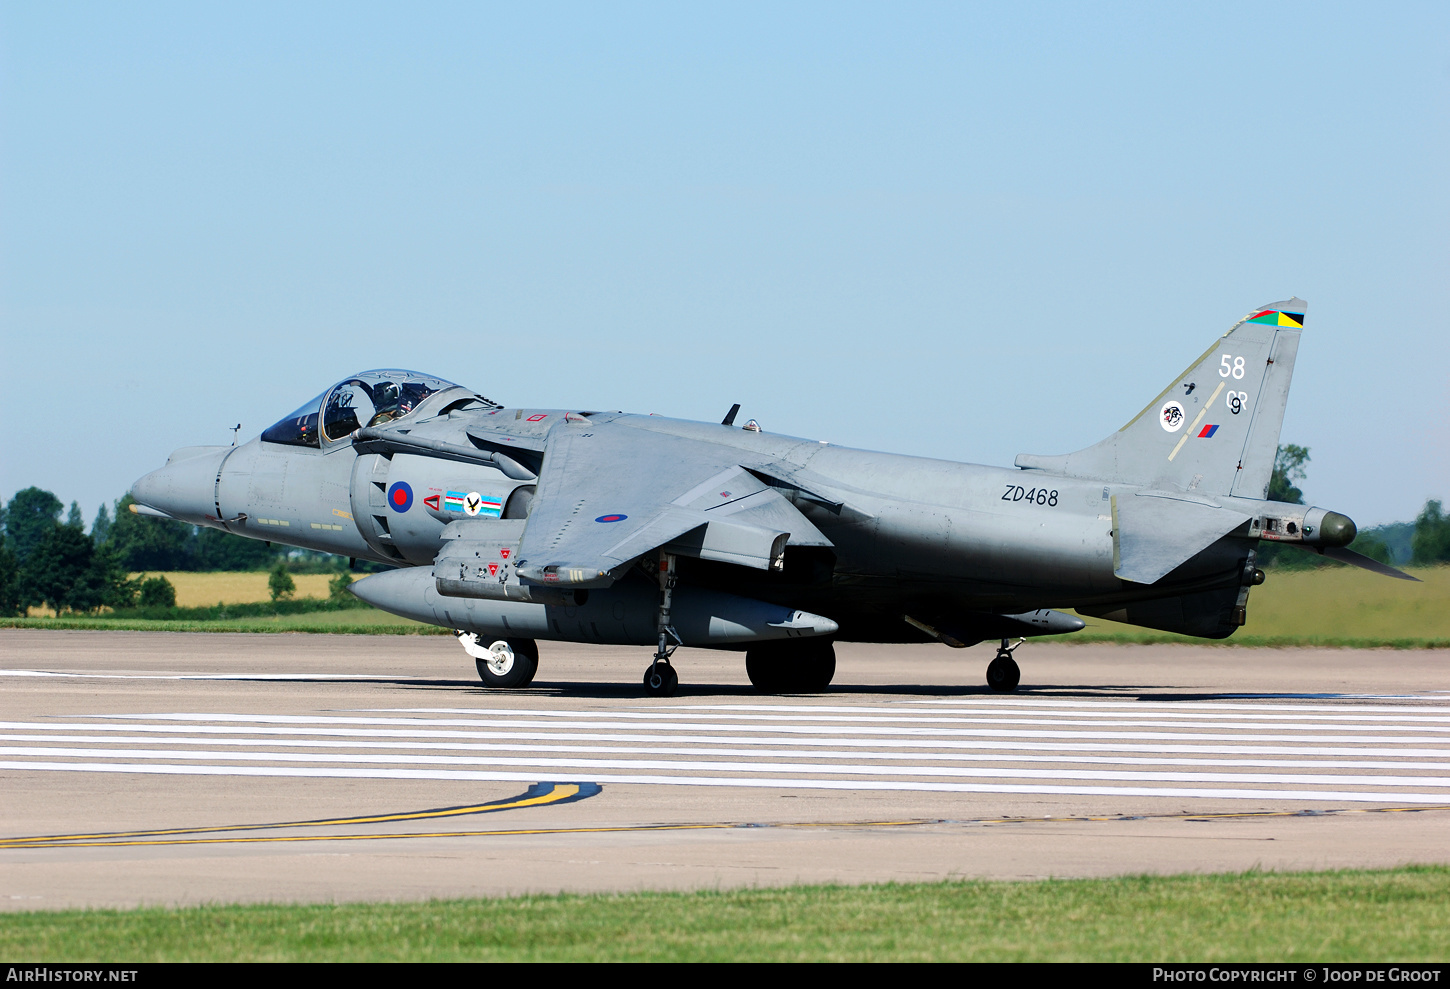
x=791 y=666
x=1002 y=672
x=661 y=680
x=505 y=663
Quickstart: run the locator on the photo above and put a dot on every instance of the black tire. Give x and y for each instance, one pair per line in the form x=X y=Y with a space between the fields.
x=817 y=668
x=791 y=666
x=1003 y=674
x=517 y=662
x=661 y=680
x=763 y=671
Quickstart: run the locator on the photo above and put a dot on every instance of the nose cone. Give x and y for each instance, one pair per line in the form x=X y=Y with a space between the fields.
x=186 y=487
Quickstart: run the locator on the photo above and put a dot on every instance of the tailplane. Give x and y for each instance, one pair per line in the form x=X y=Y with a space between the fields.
x=1215 y=428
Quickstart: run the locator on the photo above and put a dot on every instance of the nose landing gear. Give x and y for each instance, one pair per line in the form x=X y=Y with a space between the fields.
x=1002 y=672
x=503 y=663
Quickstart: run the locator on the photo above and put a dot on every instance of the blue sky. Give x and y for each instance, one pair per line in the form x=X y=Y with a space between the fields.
x=961 y=231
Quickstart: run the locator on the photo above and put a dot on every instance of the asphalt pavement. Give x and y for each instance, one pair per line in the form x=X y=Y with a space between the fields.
x=170 y=768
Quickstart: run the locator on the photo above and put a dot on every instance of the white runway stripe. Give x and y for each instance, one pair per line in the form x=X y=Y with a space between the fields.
x=871 y=727
x=996 y=702
x=733 y=767
x=658 y=747
x=747 y=711
x=318 y=772
x=1358 y=747
x=1141 y=718
x=1349 y=751
x=1286 y=703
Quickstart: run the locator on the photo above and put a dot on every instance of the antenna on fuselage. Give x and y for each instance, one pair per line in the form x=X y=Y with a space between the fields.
x=729 y=419
x=235 y=430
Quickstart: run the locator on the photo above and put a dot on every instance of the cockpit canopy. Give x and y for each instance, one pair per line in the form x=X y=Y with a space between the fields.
x=369 y=398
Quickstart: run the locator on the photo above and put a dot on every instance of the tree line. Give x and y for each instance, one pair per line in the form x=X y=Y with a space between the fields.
x=55 y=563
x=1424 y=542
x=58 y=564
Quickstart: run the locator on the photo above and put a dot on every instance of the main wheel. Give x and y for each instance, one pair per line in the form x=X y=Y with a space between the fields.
x=791 y=666
x=660 y=680
x=817 y=667
x=1003 y=674
x=508 y=663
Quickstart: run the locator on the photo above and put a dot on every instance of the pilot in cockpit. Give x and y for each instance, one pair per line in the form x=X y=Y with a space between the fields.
x=371 y=397
x=385 y=396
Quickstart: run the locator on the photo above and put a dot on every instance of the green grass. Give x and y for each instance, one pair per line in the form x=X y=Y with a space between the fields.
x=1393 y=915
x=1333 y=606
x=1144 y=637
x=366 y=621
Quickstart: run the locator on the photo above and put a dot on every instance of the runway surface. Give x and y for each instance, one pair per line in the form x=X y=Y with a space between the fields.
x=174 y=768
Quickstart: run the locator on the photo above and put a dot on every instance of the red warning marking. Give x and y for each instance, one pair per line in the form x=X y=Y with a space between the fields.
x=538 y=418
x=432 y=502
x=493 y=569
x=504 y=552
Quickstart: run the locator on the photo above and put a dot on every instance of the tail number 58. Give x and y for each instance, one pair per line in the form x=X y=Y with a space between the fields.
x=1236 y=369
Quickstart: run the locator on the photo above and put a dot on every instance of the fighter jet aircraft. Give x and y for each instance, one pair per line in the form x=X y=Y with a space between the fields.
x=511 y=525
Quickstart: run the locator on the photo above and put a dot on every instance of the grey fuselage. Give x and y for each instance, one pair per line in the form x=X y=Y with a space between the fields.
x=931 y=539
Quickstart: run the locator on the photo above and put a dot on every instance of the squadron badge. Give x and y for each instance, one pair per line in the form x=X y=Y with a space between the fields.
x=1170 y=417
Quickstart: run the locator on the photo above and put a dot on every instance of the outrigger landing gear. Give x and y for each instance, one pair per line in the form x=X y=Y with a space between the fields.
x=660 y=680
x=1002 y=672
x=505 y=663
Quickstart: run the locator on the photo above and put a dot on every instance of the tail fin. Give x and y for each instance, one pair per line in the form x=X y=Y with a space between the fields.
x=1215 y=429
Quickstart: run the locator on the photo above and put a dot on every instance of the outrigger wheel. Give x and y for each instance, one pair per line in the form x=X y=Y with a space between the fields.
x=505 y=663
x=1002 y=672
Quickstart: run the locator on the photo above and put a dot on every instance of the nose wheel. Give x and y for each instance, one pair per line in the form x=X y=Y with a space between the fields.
x=503 y=663
x=1002 y=672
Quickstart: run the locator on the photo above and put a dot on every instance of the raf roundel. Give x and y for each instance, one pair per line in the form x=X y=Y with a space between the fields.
x=1171 y=416
x=400 y=496
x=611 y=518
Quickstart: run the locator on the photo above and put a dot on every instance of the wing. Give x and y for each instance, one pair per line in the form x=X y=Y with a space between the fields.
x=609 y=493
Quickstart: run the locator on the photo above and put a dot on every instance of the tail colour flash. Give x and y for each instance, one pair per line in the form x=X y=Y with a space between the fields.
x=1274 y=317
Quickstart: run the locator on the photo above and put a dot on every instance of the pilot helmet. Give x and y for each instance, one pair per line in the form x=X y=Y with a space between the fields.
x=385 y=394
